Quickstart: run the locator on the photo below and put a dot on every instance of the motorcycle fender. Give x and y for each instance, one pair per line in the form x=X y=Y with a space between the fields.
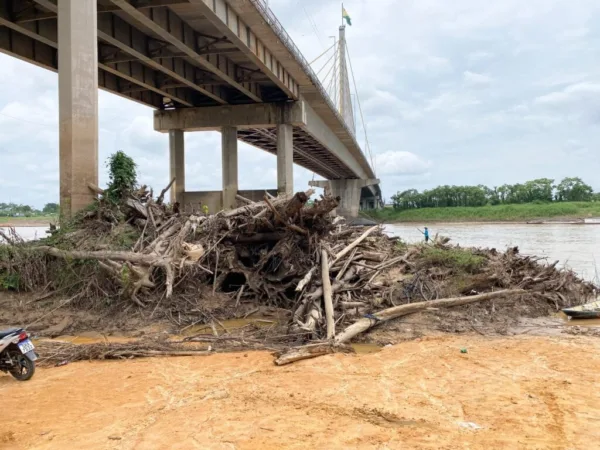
x=32 y=356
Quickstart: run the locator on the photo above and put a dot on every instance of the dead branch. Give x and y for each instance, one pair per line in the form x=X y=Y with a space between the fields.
x=327 y=296
x=364 y=324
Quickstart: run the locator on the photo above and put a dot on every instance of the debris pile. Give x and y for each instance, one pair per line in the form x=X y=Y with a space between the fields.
x=283 y=252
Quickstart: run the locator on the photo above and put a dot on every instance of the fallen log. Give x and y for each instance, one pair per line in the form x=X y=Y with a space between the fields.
x=295 y=204
x=357 y=241
x=340 y=342
x=291 y=226
x=310 y=351
x=327 y=296
x=322 y=207
x=149 y=260
x=161 y=197
x=364 y=324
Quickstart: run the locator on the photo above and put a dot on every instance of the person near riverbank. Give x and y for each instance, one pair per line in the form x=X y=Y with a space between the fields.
x=425 y=233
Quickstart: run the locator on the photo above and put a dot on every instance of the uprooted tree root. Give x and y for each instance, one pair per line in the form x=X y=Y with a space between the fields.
x=279 y=252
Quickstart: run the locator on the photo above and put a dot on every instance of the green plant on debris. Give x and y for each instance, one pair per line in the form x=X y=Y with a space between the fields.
x=122 y=176
x=457 y=258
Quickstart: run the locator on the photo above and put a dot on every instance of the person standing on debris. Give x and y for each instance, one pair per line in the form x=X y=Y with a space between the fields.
x=205 y=209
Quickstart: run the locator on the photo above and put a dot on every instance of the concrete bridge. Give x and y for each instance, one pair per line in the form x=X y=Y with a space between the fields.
x=225 y=65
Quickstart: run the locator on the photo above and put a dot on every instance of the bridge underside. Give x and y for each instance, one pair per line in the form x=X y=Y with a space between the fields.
x=308 y=152
x=177 y=56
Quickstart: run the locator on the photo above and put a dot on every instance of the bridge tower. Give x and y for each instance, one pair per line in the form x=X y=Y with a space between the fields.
x=345 y=99
x=354 y=193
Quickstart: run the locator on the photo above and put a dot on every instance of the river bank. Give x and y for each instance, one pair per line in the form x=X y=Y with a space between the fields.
x=38 y=221
x=517 y=392
x=519 y=213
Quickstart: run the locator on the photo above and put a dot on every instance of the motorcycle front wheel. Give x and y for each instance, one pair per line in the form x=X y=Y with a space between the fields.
x=24 y=368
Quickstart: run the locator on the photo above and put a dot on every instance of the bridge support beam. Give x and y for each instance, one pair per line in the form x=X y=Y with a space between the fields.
x=285 y=159
x=229 y=149
x=78 y=103
x=177 y=164
x=349 y=192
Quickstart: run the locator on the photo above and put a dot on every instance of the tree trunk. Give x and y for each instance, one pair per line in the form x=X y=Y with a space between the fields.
x=364 y=324
x=327 y=296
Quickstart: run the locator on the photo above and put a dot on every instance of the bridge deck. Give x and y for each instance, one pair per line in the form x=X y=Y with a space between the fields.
x=196 y=53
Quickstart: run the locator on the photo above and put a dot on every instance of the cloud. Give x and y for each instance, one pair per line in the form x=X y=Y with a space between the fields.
x=398 y=163
x=573 y=93
x=479 y=55
x=476 y=79
x=462 y=92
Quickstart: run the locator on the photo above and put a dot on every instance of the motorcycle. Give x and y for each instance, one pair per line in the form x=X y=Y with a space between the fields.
x=17 y=355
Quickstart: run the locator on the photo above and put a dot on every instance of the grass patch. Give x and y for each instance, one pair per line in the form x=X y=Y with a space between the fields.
x=496 y=213
x=15 y=221
x=463 y=260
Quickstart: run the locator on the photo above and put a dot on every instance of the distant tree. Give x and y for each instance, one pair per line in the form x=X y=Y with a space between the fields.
x=573 y=190
x=538 y=190
x=50 y=208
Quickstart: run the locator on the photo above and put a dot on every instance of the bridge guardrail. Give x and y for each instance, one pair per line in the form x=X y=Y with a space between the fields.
x=271 y=19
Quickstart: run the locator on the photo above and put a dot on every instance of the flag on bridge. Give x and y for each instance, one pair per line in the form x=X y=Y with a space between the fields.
x=346 y=16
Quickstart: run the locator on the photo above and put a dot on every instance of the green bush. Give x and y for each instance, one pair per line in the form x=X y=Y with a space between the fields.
x=122 y=176
x=454 y=258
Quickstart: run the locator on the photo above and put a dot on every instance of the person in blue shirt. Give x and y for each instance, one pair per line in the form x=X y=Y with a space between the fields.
x=426 y=234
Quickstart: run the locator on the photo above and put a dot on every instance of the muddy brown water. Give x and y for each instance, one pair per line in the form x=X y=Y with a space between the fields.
x=575 y=246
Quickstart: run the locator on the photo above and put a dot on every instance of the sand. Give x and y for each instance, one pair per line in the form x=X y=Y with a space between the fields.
x=523 y=392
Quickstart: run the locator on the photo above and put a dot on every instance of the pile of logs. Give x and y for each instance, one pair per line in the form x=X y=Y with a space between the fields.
x=294 y=254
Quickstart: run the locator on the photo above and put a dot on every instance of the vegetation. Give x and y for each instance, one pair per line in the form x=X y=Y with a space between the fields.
x=122 y=176
x=491 y=213
x=462 y=259
x=122 y=180
x=18 y=210
x=542 y=190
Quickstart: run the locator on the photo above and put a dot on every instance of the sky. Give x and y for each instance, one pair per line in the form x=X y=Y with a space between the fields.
x=461 y=92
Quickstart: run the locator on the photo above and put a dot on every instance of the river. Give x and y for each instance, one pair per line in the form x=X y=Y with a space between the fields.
x=575 y=246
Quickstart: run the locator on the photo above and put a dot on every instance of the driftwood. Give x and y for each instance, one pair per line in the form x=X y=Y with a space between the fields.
x=327 y=295
x=364 y=324
x=310 y=351
x=161 y=197
x=322 y=207
x=352 y=245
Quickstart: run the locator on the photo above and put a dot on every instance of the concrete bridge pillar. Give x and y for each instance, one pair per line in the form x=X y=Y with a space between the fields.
x=78 y=103
x=177 y=164
x=285 y=159
x=229 y=149
x=349 y=192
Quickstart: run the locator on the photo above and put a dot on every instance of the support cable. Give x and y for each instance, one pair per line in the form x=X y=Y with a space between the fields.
x=362 y=118
x=325 y=65
x=328 y=73
x=315 y=60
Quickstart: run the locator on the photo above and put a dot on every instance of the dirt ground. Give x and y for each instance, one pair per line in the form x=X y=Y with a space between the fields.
x=524 y=392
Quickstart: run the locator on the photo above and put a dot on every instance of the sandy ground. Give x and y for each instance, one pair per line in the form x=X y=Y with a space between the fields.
x=524 y=392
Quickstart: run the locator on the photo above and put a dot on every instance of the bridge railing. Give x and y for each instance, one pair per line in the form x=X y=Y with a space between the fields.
x=271 y=19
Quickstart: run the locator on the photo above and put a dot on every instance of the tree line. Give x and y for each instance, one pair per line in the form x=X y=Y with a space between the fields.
x=541 y=190
x=19 y=210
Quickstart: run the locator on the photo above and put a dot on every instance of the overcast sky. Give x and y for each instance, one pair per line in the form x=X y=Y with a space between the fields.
x=461 y=92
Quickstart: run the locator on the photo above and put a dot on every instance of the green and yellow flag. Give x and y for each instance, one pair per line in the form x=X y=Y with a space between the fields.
x=346 y=16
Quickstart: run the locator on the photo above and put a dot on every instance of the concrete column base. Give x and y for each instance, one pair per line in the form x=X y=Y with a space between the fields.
x=285 y=159
x=77 y=103
x=229 y=150
x=349 y=192
x=193 y=201
x=177 y=164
